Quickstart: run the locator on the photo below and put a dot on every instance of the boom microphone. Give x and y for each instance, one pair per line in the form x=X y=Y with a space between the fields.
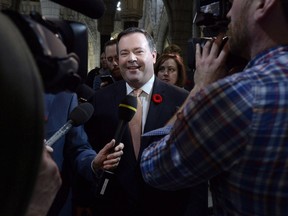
x=127 y=109
x=91 y=8
x=78 y=116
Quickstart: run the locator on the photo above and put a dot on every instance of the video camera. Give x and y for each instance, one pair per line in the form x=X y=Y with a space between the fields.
x=211 y=17
x=56 y=47
x=59 y=47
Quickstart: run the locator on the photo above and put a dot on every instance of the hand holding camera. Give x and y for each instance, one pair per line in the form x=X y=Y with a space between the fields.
x=211 y=61
x=106 y=80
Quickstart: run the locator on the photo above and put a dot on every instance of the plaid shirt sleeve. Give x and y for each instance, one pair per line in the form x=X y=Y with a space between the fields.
x=158 y=132
x=210 y=137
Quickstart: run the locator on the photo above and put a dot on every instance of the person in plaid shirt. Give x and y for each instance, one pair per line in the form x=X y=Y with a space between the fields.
x=234 y=131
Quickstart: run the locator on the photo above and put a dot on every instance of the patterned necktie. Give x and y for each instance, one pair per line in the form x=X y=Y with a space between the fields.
x=135 y=124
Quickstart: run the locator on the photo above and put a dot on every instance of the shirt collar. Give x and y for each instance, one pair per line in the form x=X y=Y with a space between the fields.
x=267 y=55
x=147 y=88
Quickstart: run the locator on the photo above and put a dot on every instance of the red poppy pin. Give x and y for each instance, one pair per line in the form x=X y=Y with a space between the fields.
x=157 y=98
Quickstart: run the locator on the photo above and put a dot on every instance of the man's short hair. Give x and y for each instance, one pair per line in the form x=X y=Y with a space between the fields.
x=131 y=30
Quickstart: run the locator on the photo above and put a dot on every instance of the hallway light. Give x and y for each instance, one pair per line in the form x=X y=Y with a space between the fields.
x=119 y=6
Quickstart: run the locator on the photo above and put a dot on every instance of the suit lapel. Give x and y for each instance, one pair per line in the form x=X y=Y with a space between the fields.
x=119 y=93
x=155 y=109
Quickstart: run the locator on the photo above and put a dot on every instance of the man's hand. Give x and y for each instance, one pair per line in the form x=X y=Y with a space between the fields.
x=103 y=84
x=108 y=158
x=210 y=66
x=210 y=62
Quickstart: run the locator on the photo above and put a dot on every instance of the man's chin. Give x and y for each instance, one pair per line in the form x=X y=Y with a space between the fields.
x=132 y=79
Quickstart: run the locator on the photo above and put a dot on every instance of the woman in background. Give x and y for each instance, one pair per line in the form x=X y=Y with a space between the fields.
x=170 y=68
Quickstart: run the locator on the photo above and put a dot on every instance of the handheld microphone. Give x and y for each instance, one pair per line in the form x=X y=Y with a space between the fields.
x=78 y=116
x=85 y=92
x=127 y=109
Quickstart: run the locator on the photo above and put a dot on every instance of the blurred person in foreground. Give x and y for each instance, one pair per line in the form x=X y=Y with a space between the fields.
x=46 y=187
x=232 y=131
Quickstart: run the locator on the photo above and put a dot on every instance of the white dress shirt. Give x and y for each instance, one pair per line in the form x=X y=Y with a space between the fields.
x=145 y=97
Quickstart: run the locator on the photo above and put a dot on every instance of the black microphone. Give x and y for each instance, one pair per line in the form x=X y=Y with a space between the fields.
x=85 y=93
x=79 y=115
x=127 y=109
x=91 y=8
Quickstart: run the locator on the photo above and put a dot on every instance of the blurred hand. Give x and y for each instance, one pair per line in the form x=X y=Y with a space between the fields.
x=103 y=84
x=210 y=62
x=49 y=149
x=46 y=187
x=109 y=157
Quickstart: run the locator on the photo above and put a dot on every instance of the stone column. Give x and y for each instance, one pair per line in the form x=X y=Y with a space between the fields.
x=106 y=22
x=180 y=15
x=50 y=9
x=131 y=12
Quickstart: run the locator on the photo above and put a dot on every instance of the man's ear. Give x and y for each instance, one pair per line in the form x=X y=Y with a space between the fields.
x=263 y=7
x=154 y=54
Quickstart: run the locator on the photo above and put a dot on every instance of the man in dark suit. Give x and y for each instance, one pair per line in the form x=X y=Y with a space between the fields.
x=128 y=194
x=72 y=153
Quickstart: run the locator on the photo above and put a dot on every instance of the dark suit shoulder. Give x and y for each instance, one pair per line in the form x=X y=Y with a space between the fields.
x=178 y=94
x=110 y=90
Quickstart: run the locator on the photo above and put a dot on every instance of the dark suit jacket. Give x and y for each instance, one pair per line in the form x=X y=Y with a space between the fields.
x=129 y=194
x=72 y=152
